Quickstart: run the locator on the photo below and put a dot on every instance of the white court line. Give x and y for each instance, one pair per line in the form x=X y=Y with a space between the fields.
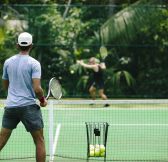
x=57 y=132
x=139 y=125
x=110 y=109
x=129 y=124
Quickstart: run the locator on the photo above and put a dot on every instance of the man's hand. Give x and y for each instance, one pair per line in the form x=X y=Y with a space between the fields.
x=44 y=103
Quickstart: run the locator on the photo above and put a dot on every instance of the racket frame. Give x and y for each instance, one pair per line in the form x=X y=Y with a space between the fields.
x=50 y=91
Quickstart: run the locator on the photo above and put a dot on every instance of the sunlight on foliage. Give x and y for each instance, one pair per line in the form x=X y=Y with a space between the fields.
x=2 y=36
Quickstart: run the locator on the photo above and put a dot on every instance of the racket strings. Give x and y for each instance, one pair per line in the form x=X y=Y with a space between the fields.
x=55 y=89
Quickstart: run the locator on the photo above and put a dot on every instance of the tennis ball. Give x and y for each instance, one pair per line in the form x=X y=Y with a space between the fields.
x=91 y=147
x=97 y=151
x=92 y=152
x=97 y=146
x=102 y=154
x=102 y=148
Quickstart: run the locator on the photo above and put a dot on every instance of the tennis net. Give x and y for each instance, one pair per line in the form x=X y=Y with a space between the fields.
x=138 y=131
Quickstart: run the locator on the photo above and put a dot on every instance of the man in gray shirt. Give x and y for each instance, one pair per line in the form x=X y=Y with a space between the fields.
x=21 y=77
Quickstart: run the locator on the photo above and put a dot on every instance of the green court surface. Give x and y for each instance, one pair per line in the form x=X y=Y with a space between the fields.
x=136 y=133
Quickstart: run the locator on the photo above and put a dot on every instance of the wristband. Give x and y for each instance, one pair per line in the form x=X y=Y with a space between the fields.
x=42 y=99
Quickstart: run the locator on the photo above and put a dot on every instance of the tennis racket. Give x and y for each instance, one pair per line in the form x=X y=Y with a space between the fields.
x=54 y=89
x=103 y=52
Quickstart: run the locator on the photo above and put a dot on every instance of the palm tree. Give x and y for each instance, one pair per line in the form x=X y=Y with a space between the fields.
x=125 y=25
x=121 y=29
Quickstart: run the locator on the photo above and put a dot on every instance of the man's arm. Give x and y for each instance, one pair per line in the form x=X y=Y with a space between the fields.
x=39 y=92
x=5 y=84
x=5 y=79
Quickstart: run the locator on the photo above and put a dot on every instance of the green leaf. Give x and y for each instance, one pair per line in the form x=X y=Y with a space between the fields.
x=129 y=79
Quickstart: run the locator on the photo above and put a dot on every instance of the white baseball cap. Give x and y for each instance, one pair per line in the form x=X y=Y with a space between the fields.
x=25 y=39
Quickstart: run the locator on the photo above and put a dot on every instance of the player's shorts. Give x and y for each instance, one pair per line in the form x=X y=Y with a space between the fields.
x=30 y=116
x=98 y=85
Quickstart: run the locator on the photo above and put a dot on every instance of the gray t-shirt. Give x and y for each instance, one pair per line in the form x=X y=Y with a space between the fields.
x=19 y=70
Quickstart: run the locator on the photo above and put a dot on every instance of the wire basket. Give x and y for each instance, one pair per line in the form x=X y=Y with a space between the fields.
x=96 y=139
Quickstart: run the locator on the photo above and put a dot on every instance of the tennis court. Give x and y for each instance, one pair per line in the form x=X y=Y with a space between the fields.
x=138 y=131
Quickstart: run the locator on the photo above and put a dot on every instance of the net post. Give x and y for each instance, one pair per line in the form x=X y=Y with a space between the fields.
x=88 y=141
x=51 y=131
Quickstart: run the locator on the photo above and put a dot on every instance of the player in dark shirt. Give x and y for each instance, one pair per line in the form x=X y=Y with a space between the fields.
x=98 y=80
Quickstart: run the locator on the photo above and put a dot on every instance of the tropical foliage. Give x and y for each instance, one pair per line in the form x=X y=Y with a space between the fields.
x=69 y=30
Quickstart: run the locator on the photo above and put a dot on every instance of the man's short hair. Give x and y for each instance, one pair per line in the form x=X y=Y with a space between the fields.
x=24 y=48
